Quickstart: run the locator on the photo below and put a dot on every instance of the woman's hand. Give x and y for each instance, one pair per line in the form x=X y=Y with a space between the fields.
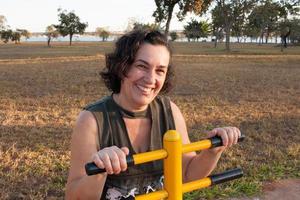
x=229 y=137
x=113 y=159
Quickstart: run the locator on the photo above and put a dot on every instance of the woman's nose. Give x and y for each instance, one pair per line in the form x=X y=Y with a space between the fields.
x=150 y=77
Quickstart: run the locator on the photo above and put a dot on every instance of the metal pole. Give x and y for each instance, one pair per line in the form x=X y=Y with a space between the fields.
x=173 y=165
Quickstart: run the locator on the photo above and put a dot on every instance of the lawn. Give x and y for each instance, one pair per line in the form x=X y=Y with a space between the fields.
x=255 y=88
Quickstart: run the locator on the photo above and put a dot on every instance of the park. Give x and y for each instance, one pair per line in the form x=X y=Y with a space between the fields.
x=250 y=85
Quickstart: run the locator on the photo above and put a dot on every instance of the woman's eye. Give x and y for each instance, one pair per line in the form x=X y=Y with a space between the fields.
x=142 y=66
x=161 y=71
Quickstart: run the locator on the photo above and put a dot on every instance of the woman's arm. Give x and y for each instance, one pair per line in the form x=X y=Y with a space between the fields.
x=83 y=147
x=196 y=166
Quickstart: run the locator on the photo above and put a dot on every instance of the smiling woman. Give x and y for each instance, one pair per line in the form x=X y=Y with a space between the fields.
x=133 y=120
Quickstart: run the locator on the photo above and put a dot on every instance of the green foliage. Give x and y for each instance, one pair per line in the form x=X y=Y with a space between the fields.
x=173 y=35
x=69 y=24
x=229 y=16
x=263 y=18
x=290 y=28
x=101 y=32
x=14 y=36
x=195 y=30
x=51 y=33
x=141 y=26
x=2 y=22
x=164 y=9
x=6 y=35
x=295 y=30
x=25 y=33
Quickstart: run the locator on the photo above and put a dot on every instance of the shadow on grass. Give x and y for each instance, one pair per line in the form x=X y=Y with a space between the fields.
x=270 y=152
x=34 y=161
x=35 y=138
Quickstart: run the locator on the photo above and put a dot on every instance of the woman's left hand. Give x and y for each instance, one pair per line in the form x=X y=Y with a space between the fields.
x=229 y=137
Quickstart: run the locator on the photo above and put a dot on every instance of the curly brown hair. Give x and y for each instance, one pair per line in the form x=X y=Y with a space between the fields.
x=118 y=62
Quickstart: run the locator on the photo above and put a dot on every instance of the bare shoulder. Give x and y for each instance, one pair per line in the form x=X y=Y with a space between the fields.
x=85 y=117
x=83 y=143
x=86 y=123
x=180 y=123
x=84 y=137
x=176 y=111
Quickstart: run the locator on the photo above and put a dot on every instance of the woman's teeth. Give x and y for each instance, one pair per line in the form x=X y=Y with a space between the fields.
x=144 y=89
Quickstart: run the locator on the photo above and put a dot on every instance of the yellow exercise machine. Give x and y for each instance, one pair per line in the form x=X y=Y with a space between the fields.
x=173 y=187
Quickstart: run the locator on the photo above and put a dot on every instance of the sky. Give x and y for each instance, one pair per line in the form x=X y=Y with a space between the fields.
x=36 y=15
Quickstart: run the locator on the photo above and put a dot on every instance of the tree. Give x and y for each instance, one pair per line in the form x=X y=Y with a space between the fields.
x=295 y=30
x=217 y=24
x=251 y=31
x=16 y=37
x=164 y=9
x=265 y=16
x=101 y=32
x=205 y=29
x=240 y=10
x=173 y=35
x=69 y=24
x=228 y=14
x=6 y=35
x=25 y=33
x=2 y=22
x=289 y=28
x=195 y=30
x=51 y=33
x=141 y=26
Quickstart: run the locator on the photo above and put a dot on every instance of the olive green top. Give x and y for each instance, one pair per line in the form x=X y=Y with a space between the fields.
x=112 y=131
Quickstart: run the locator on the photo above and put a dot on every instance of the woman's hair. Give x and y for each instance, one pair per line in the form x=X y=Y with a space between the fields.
x=118 y=62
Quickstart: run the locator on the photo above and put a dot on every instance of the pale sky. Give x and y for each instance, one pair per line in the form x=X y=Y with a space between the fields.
x=36 y=15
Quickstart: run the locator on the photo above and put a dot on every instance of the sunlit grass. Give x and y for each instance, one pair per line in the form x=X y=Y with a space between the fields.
x=40 y=99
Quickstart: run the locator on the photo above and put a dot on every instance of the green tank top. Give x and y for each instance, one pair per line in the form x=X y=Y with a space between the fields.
x=141 y=178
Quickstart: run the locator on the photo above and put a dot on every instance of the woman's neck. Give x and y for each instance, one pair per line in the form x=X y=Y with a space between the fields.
x=124 y=103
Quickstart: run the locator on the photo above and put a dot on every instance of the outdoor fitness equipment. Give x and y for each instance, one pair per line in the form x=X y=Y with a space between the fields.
x=172 y=148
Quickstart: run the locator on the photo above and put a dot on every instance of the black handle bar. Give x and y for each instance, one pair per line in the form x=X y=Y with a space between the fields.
x=92 y=169
x=226 y=176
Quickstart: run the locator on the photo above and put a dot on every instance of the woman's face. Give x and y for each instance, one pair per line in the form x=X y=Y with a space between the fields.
x=146 y=76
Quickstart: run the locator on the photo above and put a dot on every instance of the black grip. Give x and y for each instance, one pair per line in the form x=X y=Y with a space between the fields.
x=226 y=176
x=92 y=169
x=216 y=141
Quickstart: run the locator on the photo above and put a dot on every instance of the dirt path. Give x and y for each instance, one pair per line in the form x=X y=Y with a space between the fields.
x=285 y=190
x=279 y=190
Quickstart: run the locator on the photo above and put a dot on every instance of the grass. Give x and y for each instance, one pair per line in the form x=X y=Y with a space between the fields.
x=40 y=99
x=62 y=49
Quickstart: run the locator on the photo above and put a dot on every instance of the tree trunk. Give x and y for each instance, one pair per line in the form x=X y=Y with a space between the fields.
x=284 y=41
x=227 y=30
x=261 y=38
x=267 y=37
x=48 y=42
x=169 y=19
x=281 y=45
x=71 y=36
x=216 y=41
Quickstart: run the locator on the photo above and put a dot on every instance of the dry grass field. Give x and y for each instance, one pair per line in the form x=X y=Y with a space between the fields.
x=43 y=89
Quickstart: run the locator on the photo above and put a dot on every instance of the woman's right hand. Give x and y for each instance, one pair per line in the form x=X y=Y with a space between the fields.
x=112 y=159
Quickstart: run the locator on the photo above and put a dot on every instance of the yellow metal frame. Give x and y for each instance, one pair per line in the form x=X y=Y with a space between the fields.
x=173 y=149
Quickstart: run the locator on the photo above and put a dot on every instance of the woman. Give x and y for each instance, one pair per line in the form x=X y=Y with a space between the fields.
x=133 y=120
